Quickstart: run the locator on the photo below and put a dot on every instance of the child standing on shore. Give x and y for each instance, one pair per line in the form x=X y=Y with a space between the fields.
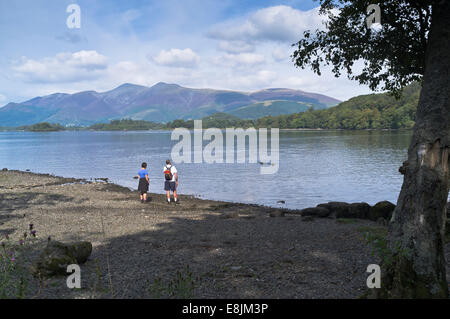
x=143 y=182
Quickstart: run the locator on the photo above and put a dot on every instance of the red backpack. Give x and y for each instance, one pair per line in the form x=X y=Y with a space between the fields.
x=168 y=173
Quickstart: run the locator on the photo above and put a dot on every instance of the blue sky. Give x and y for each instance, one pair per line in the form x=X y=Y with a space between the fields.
x=221 y=44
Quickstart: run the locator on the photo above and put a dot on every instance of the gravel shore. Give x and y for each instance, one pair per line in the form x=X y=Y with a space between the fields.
x=232 y=250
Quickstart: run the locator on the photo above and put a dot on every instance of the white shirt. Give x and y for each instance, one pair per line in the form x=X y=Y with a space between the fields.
x=173 y=170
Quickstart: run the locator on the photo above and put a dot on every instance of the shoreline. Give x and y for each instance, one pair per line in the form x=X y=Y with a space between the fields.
x=232 y=250
x=106 y=180
x=168 y=130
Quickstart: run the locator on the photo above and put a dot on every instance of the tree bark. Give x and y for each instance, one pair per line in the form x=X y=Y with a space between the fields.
x=416 y=264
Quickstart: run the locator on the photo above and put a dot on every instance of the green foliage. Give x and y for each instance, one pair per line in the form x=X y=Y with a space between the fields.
x=43 y=127
x=376 y=239
x=126 y=125
x=218 y=120
x=374 y=111
x=180 y=287
x=14 y=258
x=393 y=56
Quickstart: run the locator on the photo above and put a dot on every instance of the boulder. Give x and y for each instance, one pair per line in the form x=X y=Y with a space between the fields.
x=81 y=251
x=359 y=210
x=336 y=208
x=320 y=212
x=382 y=209
x=55 y=258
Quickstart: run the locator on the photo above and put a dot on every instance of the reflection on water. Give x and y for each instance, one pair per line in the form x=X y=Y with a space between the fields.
x=315 y=166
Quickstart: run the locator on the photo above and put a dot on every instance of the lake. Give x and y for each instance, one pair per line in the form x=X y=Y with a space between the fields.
x=315 y=166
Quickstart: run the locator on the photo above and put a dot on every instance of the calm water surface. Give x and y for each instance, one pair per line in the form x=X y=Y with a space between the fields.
x=315 y=166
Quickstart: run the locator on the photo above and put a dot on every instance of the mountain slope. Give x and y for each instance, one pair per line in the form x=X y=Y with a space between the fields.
x=373 y=111
x=270 y=108
x=160 y=103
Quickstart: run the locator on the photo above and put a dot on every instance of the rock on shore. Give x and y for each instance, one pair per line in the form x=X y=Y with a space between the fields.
x=55 y=258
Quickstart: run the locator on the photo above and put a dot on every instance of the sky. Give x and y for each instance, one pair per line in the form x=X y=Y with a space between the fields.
x=220 y=44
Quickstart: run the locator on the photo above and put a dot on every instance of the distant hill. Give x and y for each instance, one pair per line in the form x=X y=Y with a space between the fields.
x=270 y=108
x=160 y=103
x=373 y=111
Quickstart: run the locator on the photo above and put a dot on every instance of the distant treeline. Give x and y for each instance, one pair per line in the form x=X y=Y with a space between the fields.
x=373 y=111
x=127 y=125
x=42 y=127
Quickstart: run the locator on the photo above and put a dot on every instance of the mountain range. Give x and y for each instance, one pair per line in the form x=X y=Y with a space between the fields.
x=160 y=103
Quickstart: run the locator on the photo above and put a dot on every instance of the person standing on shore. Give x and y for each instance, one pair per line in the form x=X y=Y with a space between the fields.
x=171 y=182
x=143 y=182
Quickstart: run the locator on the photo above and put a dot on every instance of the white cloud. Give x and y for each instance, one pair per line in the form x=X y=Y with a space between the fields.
x=64 y=67
x=281 y=54
x=241 y=59
x=177 y=58
x=2 y=99
x=130 y=72
x=278 y=23
x=236 y=46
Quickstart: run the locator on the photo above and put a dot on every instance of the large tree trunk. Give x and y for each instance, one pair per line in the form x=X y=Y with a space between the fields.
x=415 y=267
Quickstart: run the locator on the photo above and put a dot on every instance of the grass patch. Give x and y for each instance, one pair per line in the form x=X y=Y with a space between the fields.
x=182 y=286
x=380 y=232
x=376 y=239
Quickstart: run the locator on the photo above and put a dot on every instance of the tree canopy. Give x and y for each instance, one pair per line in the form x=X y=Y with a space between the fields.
x=391 y=57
